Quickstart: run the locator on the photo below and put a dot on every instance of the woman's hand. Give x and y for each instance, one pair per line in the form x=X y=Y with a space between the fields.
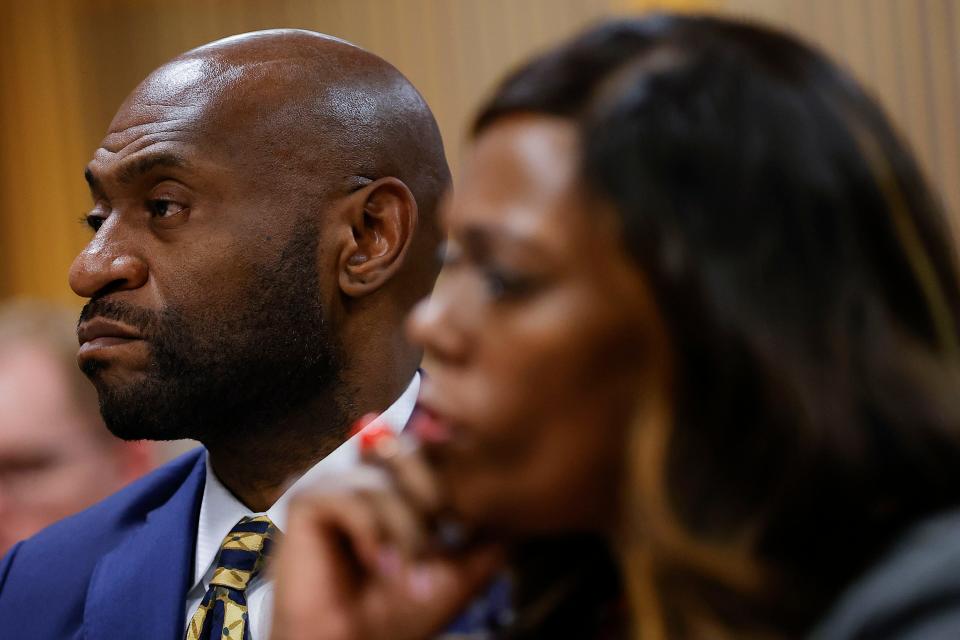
x=360 y=557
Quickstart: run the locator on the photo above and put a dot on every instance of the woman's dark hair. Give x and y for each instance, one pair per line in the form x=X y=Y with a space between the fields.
x=809 y=285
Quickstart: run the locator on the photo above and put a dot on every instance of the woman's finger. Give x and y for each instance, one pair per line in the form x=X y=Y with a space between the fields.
x=317 y=567
x=439 y=588
x=401 y=528
x=403 y=460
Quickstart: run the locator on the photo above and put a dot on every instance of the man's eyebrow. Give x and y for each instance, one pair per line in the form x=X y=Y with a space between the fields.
x=91 y=180
x=133 y=170
x=136 y=168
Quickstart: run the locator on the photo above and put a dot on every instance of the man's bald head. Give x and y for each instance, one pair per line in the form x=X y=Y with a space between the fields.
x=334 y=105
x=322 y=113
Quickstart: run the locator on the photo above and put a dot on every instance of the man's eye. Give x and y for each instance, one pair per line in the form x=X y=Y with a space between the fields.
x=93 y=221
x=164 y=208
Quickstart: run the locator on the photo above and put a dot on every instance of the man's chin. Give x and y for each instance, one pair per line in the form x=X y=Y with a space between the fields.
x=133 y=410
x=139 y=425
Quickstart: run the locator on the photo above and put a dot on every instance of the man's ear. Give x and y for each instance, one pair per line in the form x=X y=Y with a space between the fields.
x=382 y=217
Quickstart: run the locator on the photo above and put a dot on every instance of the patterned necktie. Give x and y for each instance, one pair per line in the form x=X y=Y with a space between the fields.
x=223 y=611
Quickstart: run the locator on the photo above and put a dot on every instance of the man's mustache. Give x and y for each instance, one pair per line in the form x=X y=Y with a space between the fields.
x=135 y=317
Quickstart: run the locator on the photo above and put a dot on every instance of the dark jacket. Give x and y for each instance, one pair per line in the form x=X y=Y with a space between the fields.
x=913 y=593
x=120 y=569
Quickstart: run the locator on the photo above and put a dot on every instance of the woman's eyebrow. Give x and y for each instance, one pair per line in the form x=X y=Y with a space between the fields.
x=482 y=240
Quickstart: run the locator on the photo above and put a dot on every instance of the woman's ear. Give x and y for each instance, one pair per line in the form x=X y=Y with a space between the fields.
x=382 y=218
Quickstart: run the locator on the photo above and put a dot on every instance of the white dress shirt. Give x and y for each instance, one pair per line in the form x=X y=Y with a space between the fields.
x=220 y=511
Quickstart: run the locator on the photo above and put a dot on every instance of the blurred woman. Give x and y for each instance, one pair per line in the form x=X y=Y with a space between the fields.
x=699 y=304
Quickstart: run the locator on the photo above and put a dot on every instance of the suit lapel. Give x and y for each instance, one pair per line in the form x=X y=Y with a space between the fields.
x=139 y=589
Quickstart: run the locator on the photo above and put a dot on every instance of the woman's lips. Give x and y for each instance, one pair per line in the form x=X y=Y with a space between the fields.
x=429 y=428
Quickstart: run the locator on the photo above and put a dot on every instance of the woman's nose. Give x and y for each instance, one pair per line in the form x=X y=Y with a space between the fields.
x=434 y=325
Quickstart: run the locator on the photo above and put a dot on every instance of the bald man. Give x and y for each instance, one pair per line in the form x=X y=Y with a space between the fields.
x=263 y=218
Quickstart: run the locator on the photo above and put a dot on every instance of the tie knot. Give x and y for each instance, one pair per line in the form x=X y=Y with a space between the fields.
x=243 y=552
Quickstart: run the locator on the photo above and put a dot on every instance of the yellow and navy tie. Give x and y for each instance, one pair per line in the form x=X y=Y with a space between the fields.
x=223 y=611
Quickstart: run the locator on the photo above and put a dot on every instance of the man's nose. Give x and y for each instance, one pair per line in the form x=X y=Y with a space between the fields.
x=107 y=264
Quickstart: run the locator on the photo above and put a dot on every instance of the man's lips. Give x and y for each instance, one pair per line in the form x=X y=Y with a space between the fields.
x=100 y=334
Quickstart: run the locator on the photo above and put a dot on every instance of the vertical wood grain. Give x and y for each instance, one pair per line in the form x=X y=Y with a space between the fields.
x=67 y=64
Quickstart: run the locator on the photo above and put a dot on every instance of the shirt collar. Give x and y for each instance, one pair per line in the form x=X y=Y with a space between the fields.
x=220 y=509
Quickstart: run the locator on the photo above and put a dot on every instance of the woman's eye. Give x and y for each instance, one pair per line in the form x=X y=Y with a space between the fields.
x=502 y=285
x=164 y=208
x=449 y=254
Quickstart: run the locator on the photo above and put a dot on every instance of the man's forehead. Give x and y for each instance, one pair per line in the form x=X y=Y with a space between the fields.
x=263 y=91
x=179 y=83
x=175 y=102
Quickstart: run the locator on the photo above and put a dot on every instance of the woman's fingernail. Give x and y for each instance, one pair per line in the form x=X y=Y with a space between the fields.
x=421 y=584
x=370 y=438
x=389 y=562
x=361 y=422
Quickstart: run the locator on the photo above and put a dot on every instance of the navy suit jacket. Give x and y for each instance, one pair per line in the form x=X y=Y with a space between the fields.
x=120 y=569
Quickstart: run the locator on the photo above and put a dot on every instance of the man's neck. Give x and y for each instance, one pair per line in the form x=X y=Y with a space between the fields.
x=259 y=473
x=259 y=468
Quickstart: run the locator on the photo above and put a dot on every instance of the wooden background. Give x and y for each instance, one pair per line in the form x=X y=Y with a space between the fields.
x=66 y=65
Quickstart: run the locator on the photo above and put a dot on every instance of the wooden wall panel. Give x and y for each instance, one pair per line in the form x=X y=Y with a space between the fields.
x=65 y=66
x=907 y=53
x=41 y=186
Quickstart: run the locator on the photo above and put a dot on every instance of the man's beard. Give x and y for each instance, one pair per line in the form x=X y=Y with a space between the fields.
x=219 y=375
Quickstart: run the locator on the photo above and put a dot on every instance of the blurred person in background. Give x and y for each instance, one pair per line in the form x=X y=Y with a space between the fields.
x=56 y=455
x=699 y=308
